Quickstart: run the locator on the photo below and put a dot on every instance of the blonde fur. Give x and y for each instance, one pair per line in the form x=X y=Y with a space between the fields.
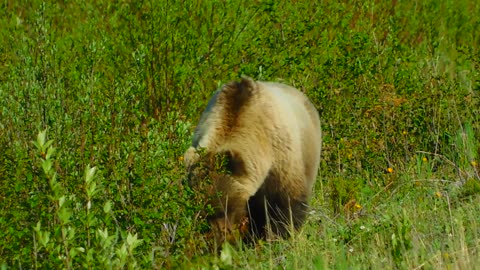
x=270 y=134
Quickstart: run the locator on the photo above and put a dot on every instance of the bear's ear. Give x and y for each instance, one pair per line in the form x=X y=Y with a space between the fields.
x=247 y=80
x=235 y=95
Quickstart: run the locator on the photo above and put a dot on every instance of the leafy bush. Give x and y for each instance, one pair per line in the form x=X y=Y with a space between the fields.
x=119 y=85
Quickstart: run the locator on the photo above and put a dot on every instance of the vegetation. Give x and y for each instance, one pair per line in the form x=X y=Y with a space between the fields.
x=98 y=101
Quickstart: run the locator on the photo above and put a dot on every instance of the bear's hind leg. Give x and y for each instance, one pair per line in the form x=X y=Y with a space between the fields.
x=275 y=215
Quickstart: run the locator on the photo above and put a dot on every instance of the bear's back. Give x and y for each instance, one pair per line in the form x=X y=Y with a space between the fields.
x=301 y=118
x=292 y=102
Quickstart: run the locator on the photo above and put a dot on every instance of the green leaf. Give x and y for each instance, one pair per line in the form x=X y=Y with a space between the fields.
x=89 y=173
x=39 y=147
x=74 y=251
x=50 y=152
x=47 y=145
x=44 y=238
x=92 y=189
x=226 y=255
x=47 y=166
x=61 y=201
x=122 y=253
x=103 y=233
x=71 y=233
x=64 y=215
x=41 y=138
x=107 y=207
x=133 y=242
x=37 y=227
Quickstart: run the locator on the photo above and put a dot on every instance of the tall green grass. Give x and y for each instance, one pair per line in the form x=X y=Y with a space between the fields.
x=115 y=88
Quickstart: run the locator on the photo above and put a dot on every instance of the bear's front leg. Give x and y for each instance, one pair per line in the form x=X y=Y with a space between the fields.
x=230 y=214
x=234 y=189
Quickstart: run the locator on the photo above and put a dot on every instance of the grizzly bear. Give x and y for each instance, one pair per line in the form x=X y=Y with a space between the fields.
x=259 y=145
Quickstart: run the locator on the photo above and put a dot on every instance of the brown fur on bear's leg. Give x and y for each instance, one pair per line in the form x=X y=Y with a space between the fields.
x=225 y=231
x=230 y=212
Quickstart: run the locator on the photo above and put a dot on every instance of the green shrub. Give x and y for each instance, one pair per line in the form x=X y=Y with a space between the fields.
x=119 y=86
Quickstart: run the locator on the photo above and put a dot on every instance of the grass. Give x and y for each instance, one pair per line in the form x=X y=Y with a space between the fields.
x=110 y=93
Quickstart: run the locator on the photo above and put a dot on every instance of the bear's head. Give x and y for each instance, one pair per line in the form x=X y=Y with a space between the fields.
x=211 y=175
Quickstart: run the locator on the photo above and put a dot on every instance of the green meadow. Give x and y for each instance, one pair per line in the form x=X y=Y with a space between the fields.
x=99 y=100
